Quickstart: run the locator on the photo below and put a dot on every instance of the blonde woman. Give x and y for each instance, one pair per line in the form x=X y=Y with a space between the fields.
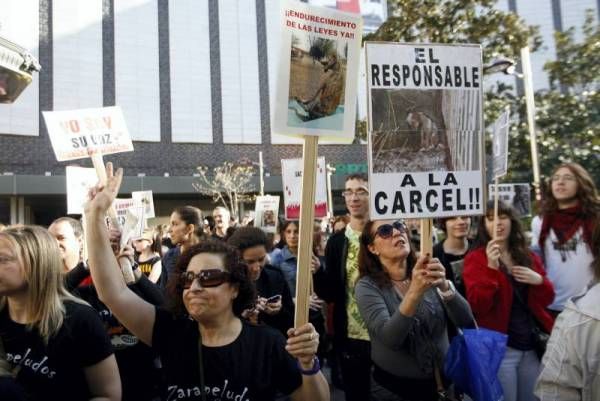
x=54 y=344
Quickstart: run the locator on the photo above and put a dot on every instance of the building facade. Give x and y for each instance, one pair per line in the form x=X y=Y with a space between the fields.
x=195 y=80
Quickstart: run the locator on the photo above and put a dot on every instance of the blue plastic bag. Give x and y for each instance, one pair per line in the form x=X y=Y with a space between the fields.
x=472 y=363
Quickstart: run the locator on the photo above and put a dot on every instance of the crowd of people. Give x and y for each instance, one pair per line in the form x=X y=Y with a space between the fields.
x=203 y=309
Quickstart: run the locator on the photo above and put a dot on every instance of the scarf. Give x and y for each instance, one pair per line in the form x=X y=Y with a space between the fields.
x=565 y=223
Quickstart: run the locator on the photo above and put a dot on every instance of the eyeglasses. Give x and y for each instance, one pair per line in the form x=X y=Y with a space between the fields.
x=208 y=278
x=566 y=177
x=361 y=193
x=385 y=231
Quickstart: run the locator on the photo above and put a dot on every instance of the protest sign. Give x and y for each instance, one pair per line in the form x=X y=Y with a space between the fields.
x=292 y=186
x=145 y=199
x=76 y=134
x=266 y=212
x=500 y=130
x=518 y=196
x=425 y=130
x=133 y=224
x=318 y=71
x=121 y=205
x=79 y=181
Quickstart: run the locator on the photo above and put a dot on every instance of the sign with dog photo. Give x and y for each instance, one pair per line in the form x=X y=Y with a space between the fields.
x=425 y=147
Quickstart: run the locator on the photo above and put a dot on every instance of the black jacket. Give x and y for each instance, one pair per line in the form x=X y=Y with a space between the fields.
x=330 y=283
x=271 y=282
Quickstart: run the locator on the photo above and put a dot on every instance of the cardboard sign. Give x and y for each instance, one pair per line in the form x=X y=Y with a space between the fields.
x=79 y=181
x=425 y=130
x=318 y=71
x=121 y=206
x=292 y=187
x=133 y=224
x=518 y=196
x=76 y=134
x=266 y=213
x=500 y=130
x=145 y=199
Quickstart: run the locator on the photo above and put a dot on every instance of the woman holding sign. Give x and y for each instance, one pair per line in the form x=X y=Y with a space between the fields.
x=400 y=299
x=207 y=352
x=509 y=292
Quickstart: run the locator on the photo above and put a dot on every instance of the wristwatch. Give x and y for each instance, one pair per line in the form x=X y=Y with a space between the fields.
x=312 y=371
x=447 y=295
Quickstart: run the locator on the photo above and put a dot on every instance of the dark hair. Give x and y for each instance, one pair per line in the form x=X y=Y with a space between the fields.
x=517 y=242
x=369 y=263
x=247 y=237
x=157 y=240
x=191 y=215
x=357 y=176
x=211 y=222
x=74 y=223
x=231 y=261
x=596 y=251
x=587 y=194
x=282 y=227
x=440 y=222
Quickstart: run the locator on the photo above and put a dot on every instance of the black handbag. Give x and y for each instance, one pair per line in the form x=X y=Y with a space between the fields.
x=539 y=335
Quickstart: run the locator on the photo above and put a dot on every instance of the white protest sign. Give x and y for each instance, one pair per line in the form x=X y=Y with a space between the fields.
x=144 y=198
x=425 y=130
x=76 y=134
x=133 y=224
x=518 y=196
x=318 y=70
x=266 y=212
x=500 y=130
x=79 y=181
x=291 y=172
x=121 y=205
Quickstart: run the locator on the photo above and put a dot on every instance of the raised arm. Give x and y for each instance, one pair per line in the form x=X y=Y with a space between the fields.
x=132 y=311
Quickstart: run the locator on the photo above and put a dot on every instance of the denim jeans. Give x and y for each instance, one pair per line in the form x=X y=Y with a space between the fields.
x=517 y=374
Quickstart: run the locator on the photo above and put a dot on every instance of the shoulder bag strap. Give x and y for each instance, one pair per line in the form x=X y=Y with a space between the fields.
x=201 y=367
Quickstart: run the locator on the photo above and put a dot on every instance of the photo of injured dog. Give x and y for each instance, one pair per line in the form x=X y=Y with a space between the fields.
x=424 y=130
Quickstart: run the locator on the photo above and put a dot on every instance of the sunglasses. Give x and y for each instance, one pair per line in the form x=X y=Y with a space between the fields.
x=208 y=278
x=387 y=230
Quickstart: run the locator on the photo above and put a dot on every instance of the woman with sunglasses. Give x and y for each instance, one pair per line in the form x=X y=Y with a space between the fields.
x=508 y=290
x=207 y=352
x=400 y=300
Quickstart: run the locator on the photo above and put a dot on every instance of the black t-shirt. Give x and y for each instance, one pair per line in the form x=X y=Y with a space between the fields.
x=147 y=265
x=252 y=368
x=56 y=371
x=140 y=378
x=520 y=325
x=452 y=265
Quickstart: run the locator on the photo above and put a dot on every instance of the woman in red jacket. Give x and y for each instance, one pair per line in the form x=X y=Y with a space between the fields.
x=508 y=292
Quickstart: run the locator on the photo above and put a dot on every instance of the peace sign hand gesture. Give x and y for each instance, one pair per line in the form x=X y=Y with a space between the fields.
x=102 y=196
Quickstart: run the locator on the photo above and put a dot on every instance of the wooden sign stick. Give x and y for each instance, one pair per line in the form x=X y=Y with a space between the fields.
x=426 y=235
x=98 y=163
x=495 y=225
x=307 y=217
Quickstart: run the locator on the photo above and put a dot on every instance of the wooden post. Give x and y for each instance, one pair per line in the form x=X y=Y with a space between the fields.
x=98 y=163
x=426 y=234
x=495 y=225
x=307 y=217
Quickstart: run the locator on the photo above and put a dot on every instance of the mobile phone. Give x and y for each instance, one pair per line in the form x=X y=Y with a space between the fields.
x=274 y=299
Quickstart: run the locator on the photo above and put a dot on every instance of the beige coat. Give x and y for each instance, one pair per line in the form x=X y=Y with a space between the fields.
x=571 y=365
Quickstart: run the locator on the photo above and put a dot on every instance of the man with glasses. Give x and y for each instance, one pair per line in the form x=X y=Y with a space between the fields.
x=335 y=284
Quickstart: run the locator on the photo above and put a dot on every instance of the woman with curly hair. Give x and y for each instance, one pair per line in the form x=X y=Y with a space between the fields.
x=508 y=291
x=570 y=212
x=207 y=351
